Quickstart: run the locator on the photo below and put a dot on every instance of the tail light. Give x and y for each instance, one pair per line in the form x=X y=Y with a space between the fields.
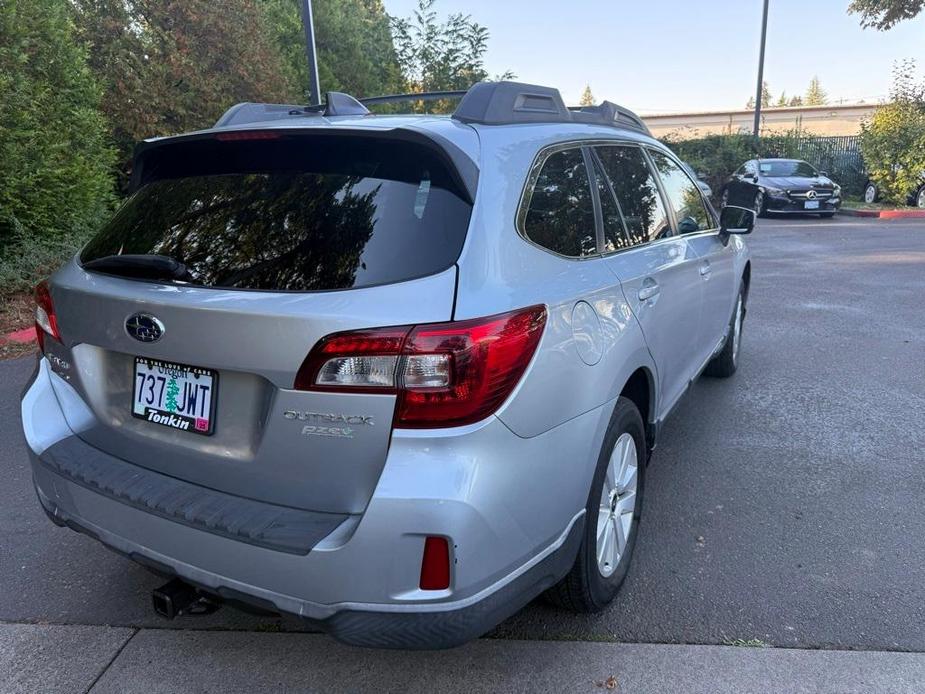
x=445 y=374
x=46 y=322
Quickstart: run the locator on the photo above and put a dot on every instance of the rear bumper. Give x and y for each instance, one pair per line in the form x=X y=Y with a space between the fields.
x=512 y=533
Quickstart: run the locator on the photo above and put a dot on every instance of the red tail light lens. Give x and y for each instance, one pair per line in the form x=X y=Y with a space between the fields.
x=46 y=322
x=445 y=374
x=435 y=564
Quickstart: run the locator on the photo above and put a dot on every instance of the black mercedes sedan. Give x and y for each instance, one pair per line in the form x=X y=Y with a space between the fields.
x=782 y=185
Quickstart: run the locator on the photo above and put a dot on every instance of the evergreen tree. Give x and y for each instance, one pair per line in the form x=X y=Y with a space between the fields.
x=796 y=100
x=782 y=101
x=55 y=160
x=765 y=95
x=587 y=98
x=815 y=94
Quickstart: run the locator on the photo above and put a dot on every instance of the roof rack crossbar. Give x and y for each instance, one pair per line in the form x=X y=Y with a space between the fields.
x=422 y=96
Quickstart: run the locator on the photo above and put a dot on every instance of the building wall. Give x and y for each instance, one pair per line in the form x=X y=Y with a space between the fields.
x=811 y=120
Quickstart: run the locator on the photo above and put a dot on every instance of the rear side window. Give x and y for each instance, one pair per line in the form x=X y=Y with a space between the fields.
x=301 y=213
x=683 y=195
x=559 y=214
x=643 y=211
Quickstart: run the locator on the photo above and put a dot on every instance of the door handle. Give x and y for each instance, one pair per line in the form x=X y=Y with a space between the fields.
x=705 y=269
x=649 y=290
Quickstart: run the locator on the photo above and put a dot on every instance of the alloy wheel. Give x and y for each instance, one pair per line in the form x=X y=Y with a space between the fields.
x=920 y=199
x=724 y=202
x=618 y=504
x=870 y=194
x=759 y=202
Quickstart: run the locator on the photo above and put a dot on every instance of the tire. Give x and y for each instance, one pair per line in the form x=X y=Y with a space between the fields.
x=592 y=583
x=871 y=193
x=826 y=215
x=724 y=200
x=724 y=364
x=759 y=204
x=920 y=198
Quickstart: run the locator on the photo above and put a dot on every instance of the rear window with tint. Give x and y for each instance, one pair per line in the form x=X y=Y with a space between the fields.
x=298 y=213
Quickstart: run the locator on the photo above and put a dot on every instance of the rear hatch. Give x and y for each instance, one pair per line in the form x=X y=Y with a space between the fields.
x=188 y=316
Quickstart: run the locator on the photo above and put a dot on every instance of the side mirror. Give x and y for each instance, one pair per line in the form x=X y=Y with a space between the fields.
x=736 y=220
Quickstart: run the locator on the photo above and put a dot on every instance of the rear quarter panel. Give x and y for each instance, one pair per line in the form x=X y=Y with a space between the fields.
x=500 y=271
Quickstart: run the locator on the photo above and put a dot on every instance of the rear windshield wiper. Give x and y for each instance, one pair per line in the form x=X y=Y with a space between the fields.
x=147 y=267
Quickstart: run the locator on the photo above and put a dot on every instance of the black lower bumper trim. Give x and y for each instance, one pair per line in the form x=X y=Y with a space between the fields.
x=279 y=528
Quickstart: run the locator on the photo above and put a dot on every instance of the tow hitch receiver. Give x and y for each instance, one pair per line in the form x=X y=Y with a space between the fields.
x=177 y=597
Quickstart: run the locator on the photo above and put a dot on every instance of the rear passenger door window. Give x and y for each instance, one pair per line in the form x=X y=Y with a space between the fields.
x=637 y=193
x=683 y=196
x=615 y=238
x=559 y=213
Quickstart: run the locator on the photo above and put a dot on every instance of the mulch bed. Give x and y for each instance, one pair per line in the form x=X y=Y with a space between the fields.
x=16 y=318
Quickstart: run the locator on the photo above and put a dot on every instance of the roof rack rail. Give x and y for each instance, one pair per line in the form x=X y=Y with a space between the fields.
x=500 y=103
x=610 y=114
x=487 y=103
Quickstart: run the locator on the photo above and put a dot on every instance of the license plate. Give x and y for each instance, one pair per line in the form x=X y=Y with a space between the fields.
x=811 y=205
x=174 y=395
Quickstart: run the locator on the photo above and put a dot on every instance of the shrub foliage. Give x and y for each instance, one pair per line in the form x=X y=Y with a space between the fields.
x=55 y=157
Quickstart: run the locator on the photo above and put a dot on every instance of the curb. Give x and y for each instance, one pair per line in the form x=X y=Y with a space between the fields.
x=883 y=214
x=21 y=337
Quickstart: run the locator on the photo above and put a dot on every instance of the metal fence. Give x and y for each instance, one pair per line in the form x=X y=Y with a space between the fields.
x=839 y=156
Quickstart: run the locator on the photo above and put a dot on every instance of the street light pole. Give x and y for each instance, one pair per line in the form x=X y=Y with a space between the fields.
x=308 y=24
x=760 y=91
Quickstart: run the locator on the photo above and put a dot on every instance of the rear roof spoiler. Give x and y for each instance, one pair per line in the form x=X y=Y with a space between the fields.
x=485 y=103
x=461 y=167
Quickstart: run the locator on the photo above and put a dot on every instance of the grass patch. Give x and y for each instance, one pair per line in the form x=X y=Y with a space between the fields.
x=859 y=204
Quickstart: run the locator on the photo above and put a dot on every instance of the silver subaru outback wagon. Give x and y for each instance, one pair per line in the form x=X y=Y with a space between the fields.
x=396 y=375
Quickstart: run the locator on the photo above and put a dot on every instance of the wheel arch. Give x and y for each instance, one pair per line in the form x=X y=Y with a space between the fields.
x=747 y=278
x=640 y=389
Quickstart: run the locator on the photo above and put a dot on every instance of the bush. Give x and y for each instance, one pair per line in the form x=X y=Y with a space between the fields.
x=55 y=160
x=716 y=157
x=893 y=143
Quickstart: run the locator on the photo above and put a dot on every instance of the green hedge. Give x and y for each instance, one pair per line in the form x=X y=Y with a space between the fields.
x=56 y=163
x=716 y=157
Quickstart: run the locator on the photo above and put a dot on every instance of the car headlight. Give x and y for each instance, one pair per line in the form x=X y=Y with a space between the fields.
x=775 y=191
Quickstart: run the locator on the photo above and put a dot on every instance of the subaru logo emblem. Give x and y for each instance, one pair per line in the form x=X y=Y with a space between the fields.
x=144 y=327
x=811 y=195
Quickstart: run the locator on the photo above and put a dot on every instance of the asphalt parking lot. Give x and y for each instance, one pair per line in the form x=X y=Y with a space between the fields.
x=783 y=505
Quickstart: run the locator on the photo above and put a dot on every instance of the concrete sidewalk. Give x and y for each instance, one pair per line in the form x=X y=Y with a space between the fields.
x=49 y=659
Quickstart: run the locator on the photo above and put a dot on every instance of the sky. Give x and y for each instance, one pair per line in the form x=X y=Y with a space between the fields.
x=663 y=56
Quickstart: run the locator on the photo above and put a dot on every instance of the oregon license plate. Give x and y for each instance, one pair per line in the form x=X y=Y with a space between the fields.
x=811 y=205
x=173 y=395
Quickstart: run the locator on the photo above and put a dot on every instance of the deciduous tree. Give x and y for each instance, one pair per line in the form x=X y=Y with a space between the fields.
x=437 y=56
x=169 y=66
x=353 y=38
x=885 y=14
x=893 y=141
